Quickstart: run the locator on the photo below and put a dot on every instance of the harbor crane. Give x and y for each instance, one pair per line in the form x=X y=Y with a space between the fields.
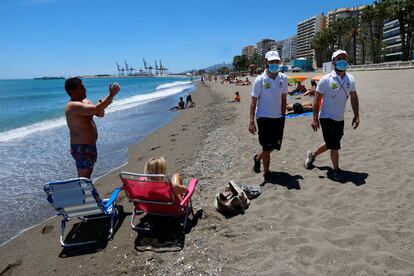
x=162 y=69
x=129 y=69
x=121 y=70
x=148 y=68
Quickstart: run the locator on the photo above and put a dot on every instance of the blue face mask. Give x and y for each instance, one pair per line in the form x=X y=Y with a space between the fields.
x=341 y=65
x=273 y=68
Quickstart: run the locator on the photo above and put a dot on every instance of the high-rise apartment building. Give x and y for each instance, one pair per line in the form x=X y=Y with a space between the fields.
x=249 y=51
x=391 y=40
x=265 y=45
x=307 y=29
x=289 y=48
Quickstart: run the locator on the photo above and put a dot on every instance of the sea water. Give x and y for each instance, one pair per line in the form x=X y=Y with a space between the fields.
x=34 y=139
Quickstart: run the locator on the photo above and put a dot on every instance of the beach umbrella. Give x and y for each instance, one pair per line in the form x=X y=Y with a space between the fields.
x=295 y=79
x=317 y=78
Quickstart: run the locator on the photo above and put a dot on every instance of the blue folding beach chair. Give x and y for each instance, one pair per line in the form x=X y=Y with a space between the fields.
x=78 y=197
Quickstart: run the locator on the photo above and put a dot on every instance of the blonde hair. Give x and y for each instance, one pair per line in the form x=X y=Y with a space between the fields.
x=156 y=165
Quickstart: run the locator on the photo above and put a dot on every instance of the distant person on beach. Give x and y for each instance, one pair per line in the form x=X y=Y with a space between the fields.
x=79 y=113
x=333 y=90
x=188 y=100
x=237 y=97
x=268 y=104
x=158 y=165
x=180 y=105
x=311 y=91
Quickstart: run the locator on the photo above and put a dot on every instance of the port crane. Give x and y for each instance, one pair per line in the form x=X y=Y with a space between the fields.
x=149 y=67
x=162 y=69
x=129 y=69
x=121 y=70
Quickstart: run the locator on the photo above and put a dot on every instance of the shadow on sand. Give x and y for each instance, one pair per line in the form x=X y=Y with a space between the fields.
x=163 y=233
x=92 y=230
x=356 y=178
x=284 y=179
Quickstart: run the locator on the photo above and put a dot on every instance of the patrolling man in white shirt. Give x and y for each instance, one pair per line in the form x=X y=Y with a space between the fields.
x=268 y=104
x=333 y=91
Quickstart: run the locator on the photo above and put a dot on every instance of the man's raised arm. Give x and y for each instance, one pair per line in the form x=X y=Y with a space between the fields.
x=91 y=109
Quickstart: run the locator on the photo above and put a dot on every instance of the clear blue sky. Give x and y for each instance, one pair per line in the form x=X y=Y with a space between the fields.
x=72 y=37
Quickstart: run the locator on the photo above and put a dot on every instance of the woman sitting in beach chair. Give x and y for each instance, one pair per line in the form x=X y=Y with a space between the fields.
x=158 y=165
x=155 y=193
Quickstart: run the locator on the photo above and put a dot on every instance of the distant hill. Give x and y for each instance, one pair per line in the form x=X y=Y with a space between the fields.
x=217 y=66
x=212 y=68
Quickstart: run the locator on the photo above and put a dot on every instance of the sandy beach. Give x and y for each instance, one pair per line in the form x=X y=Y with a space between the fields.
x=304 y=223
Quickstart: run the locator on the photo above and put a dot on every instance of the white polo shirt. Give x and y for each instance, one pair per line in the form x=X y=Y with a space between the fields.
x=269 y=93
x=335 y=91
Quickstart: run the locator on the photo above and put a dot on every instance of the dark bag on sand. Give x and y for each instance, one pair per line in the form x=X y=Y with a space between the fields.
x=232 y=201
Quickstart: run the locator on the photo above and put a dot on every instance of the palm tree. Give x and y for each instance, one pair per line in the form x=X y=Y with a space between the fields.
x=373 y=16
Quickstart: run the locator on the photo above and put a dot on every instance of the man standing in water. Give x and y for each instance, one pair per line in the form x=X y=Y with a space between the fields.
x=79 y=113
x=333 y=90
x=269 y=95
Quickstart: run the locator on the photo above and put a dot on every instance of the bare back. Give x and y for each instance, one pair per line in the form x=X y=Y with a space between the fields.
x=82 y=128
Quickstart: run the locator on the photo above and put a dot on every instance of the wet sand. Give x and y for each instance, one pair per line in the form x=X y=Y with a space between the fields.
x=304 y=223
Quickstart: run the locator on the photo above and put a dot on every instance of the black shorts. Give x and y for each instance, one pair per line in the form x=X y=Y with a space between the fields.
x=332 y=132
x=270 y=132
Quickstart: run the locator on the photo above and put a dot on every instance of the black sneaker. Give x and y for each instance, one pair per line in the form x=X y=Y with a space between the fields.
x=337 y=175
x=256 y=165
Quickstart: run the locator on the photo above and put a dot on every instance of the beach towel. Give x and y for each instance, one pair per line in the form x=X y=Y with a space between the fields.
x=305 y=114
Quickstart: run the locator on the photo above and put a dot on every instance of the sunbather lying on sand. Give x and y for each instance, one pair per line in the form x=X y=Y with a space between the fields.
x=299 y=108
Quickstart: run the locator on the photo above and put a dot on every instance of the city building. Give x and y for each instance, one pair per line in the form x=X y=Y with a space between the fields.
x=306 y=31
x=289 y=48
x=249 y=51
x=277 y=46
x=265 y=45
x=336 y=14
x=391 y=40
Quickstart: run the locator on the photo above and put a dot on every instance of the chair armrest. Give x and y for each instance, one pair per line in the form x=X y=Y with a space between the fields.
x=191 y=188
x=113 y=197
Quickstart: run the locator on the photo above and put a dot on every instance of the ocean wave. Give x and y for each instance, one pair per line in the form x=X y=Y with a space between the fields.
x=162 y=91
x=173 y=84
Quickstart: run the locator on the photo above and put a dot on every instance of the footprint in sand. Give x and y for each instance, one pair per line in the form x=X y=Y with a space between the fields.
x=47 y=229
x=173 y=140
x=9 y=268
x=173 y=134
x=154 y=148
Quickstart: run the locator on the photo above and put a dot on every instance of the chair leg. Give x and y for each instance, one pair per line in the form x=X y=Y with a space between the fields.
x=111 y=230
x=187 y=208
x=132 y=219
x=62 y=232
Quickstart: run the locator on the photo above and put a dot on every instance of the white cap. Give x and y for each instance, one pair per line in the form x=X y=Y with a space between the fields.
x=337 y=53
x=272 y=55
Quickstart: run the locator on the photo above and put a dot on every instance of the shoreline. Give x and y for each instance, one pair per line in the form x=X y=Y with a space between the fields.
x=96 y=180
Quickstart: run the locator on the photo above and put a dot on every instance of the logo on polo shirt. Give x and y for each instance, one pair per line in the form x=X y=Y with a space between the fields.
x=347 y=85
x=267 y=85
x=280 y=84
x=334 y=85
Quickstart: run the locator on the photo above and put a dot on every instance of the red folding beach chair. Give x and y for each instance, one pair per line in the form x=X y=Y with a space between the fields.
x=153 y=194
